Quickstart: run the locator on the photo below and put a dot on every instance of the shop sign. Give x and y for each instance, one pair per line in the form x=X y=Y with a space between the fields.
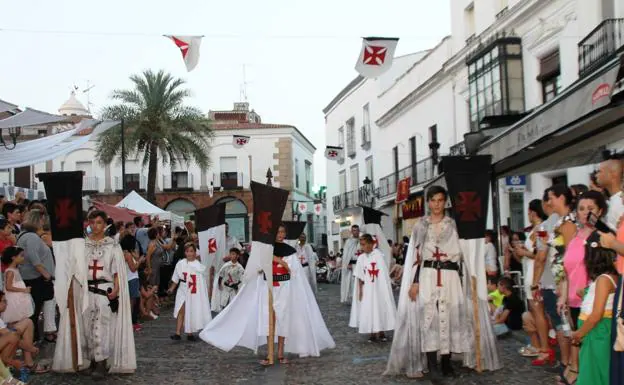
x=414 y=208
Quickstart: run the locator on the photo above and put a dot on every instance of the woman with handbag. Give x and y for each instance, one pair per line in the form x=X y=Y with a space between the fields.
x=38 y=268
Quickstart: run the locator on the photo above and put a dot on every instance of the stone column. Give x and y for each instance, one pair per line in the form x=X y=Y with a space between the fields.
x=107 y=179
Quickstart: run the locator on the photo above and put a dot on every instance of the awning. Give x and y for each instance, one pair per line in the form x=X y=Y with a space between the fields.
x=31 y=117
x=6 y=106
x=548 y=138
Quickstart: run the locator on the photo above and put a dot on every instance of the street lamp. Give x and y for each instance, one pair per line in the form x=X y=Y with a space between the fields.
x=14 y=132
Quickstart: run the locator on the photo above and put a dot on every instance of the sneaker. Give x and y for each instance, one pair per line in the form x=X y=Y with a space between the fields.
x=154 y=316
x=137 y=327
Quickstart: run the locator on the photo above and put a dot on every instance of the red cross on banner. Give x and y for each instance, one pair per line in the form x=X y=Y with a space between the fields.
x=189 y=48
x=376 y=56
x=212 y=245
x=238 y=141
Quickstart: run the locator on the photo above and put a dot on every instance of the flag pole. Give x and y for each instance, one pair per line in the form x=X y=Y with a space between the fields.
x=271 y=341
x=72 y=325
x=123 y=159
x=475 y=312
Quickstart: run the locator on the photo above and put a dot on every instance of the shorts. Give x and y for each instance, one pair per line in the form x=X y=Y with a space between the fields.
x=133 y=288
x=550 y=307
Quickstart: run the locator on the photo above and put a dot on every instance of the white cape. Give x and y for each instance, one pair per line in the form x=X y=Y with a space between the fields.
x=123 y=355
x=346 y=281
x=377 y=310
x=310 y=270
x=245 y=321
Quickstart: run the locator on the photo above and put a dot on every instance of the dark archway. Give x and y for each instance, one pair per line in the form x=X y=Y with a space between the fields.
x=182 y=207
x=237 y=217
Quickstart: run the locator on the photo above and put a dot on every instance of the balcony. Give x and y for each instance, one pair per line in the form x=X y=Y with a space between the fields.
x=134 y=182
x=423 y=172
x=362 y=196
x=229 y=180
x=601 y=45
x=458 y=149
x=178 y=181
x=90 y=184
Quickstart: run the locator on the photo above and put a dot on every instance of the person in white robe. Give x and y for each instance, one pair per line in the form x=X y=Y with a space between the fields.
x=373 y=310
x=230 y=243
x=230 y=277
x=103 y=317
x=299 y=325
x=308 y=259
x=350 y=253
x=192 y=305
x=435 y=312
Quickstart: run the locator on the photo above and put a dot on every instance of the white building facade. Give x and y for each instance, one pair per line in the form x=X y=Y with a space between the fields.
x=505 y=63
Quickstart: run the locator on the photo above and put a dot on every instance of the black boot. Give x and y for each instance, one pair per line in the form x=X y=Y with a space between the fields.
x=447 y=367
x=99 y=371
x=432 y=361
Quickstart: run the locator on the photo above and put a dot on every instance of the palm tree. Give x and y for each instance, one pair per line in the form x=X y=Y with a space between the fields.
x=157 y=123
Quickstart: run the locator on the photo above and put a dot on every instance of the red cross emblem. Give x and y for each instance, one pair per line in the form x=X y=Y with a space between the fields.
x=468 y=206
x=212 y=245
x=192 y=282
x=264 y=221
x=65 y=211
x=373 y=271
x=374 y=55
x=438 y=255
x=184 y=47
x=241 y=141
x=332 y=153
x=94 y=269
x=302 y=259
x=303 y=207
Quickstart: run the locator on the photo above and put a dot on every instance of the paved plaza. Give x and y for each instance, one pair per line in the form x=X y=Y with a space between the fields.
x=353 y=361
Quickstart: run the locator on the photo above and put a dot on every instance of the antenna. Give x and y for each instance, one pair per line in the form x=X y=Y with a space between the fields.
x=86 y=92
x=243 y=87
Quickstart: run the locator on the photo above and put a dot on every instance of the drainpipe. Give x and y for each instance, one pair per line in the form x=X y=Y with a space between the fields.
x=454 y=104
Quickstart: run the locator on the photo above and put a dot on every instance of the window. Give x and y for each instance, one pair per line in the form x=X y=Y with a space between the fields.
x=342 y=182
x=229 y=174
x=42 y=132
x=550 y=76
x=369 y=168
x=366 y=130
x=296 y=173
x=469 y=22
x=495 y=80
x=85 y=167
x=179 y=179
x=341 y=140
x=355 y=177
x=133 y=182
x=351 y=138
x=308 y=177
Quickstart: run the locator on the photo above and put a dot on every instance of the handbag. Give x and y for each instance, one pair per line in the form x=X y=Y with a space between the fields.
x=618 y=345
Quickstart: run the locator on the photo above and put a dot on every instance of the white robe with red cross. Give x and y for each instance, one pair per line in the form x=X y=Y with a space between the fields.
x=376 y=312
x=193 y=294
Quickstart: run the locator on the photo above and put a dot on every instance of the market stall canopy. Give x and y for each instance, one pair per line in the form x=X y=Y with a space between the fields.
x=119 y=213
x=137 y=203
x=6 y=106
x=31 y=117
x=50 y=147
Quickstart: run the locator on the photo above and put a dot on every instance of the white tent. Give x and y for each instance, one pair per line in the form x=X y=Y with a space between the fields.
x=134 y=201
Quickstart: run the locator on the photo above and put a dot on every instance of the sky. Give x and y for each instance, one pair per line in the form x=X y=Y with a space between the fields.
x=297 y=54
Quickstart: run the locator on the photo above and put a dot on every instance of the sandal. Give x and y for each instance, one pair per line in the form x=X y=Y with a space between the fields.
x=563 y=380
x=283 y=360
x=266 y=362
x=38 y=368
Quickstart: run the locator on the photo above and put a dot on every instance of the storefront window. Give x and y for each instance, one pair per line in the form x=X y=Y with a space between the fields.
x=496 y=80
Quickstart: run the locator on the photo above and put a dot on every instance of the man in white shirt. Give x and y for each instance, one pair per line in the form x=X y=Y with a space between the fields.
x=609 y=177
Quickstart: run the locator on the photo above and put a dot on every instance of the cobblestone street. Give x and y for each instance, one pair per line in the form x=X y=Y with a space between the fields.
x=353 y=361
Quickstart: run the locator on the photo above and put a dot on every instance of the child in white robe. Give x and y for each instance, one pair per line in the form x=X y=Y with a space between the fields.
x=230 y=277
x=192 y=305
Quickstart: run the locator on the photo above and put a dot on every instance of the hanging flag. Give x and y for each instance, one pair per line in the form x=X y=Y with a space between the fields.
x=334 y=153
x=64 y=203
x=238 y=141
x=302 y=207
x=318 y=208
x=189 y=46
x=372 y=226
x=376 y=56
x=268 y=205
x=210 y=225
x=468 y=182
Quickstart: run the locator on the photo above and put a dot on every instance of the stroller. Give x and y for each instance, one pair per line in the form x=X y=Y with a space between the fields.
x=321 y=272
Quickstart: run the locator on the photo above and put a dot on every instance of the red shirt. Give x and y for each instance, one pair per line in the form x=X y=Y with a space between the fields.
x=4 y=243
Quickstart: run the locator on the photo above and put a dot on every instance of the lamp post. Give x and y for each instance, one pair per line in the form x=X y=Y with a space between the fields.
x=14 y=132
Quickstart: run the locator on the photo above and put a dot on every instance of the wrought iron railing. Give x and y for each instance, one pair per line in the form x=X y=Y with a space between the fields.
x=422 y=172
x=458 y=149
x=230 y=180
x=90 y=183
x=362 y=196
x=132 y=183
x=600 y=46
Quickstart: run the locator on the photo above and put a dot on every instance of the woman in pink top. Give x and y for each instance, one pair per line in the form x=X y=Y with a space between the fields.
x=576 y=279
